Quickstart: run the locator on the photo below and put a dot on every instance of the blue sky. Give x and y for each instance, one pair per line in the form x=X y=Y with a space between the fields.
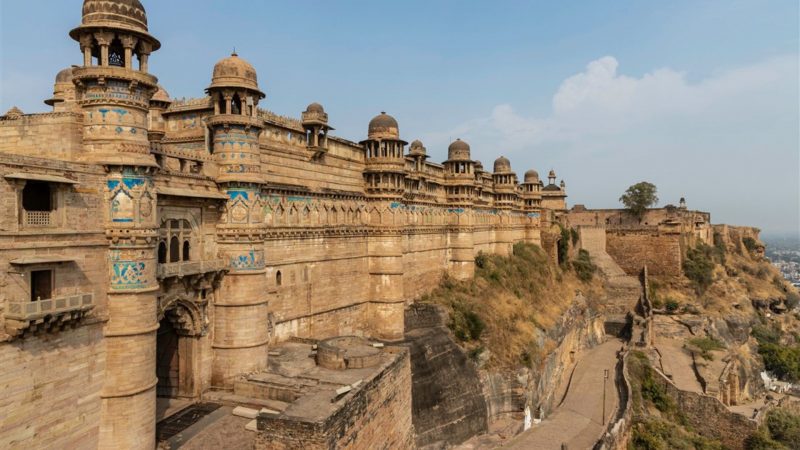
x=698 y=97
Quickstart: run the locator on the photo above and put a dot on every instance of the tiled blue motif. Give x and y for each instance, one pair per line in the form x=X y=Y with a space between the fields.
x=128 y=275
x=251 y=260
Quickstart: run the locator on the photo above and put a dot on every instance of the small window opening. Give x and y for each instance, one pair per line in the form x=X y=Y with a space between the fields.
x=41 y=285
x=174 y=249
x=116 y=54
x=236 y=105
x=37 y=196
x=162 y=252
x=278 y=278
x=186 y=250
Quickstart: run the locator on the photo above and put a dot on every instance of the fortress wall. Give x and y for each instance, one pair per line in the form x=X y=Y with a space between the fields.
x=632 y=249
x=51 y=135
x=51 y=385
x=377 y=414
x=424 y=261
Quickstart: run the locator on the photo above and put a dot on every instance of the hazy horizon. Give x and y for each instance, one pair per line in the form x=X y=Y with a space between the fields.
x=699 y=98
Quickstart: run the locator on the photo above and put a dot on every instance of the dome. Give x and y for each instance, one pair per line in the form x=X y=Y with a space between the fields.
x=128 y=13
x=116 y=14
x=417 y=148
x=64 y=76
x=502 y=165
x=315 y=108
x=531 y=176
x=161 y=95
x=383 y=126
x=478 y=165
x=552 y=174
x=235 y=72
x=458 y=149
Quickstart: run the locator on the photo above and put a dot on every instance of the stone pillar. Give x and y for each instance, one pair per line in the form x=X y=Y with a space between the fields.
x=86 y=43
x=128 y=396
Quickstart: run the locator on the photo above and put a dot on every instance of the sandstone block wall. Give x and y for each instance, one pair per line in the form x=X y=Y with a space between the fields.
x=50 y=390
x=376 y=415
x=632 y=249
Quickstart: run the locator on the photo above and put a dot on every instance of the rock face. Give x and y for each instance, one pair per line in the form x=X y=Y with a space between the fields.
x=447 y=399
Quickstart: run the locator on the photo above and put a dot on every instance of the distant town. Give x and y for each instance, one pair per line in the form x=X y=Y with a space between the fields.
x=784 y=253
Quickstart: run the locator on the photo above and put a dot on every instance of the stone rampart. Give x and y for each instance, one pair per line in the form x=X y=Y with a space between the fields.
x=632 y=249
x=374 y=415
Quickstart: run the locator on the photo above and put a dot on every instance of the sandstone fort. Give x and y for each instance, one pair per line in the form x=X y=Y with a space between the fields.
x=157 y=252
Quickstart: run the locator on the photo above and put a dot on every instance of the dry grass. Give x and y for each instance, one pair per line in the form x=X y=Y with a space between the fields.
x=517 y=298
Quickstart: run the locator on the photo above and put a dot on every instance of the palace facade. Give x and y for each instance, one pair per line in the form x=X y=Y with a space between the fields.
x=151 y=247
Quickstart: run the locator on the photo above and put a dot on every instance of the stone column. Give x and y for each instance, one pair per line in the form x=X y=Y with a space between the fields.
x=104 y=40
x=86 y=43
x=128 y=43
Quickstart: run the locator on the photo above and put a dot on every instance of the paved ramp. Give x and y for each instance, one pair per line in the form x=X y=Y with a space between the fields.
x=578 y=421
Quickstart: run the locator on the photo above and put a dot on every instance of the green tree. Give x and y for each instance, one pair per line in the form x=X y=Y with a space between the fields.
x=639 y=197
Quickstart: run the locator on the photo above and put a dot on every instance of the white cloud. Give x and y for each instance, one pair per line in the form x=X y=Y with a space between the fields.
x=713 y=140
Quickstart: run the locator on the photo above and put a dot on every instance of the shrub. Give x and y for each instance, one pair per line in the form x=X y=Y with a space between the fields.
x=573 y=233
x=584 y=267
x=784 y=426
x=792 y=300
x=699 y=266
x=706 y=345
x=672 y=305
x=750 y=244
x=563 y=248
x=480 y=260
x=783 y=361
x=656 y=393
x=465 y=323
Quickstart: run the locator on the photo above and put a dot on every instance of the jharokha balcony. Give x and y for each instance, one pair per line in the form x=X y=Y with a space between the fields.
x=186 y=268
x=50 y=315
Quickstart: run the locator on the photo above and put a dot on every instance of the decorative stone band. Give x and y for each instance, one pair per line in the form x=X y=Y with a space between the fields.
x=135 y=332
x=233 y=347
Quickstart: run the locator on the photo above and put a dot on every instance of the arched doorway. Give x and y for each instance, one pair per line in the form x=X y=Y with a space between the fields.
x=167 y=360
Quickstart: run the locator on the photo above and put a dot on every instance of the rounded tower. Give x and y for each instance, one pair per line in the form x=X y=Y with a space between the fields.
x=235 y=126
x=385 y=165
x=459 y=172
x=505 y=184
x=64 y=95
x=156 y=128
x=114 y=94
x=315 y=124
x=240 y=310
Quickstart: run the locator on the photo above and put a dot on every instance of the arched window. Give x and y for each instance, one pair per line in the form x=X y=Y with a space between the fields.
x=162 y=252
x=236 y=105
x=174 y=249
x=186 y=250
x=116 y=54
x=278 y=278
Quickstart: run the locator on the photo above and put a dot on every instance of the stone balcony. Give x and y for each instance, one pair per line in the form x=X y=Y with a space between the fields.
x=187 y=268
x=50 y=315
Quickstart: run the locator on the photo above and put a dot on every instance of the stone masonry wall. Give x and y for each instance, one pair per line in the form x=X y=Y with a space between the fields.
x=50 y=390
x=376 y=415
x=633 y=249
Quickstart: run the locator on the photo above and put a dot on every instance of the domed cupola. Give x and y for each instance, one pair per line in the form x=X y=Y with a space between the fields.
x=235 y=125
x=532 y=191
x=383 y=126
x=417 y=149
x=385 y=168
x=113 y=31
x=63 y=91
x=502 y=165
x=458 y=151
x=234 y=72
x=505 y=184
x=315 y=124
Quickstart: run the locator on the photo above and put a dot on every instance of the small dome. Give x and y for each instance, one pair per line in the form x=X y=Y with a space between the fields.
x=128 y=13
x=315 y=108
x=552 y=174
x=14 y=113
x=64 y=76
x=502 y=165
x=161 y=95
x=234 y=72
x=458 y=150
x=478 y=165
x=531 y=176
x=383 y=126
x=114 y=14
x=417 y=148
